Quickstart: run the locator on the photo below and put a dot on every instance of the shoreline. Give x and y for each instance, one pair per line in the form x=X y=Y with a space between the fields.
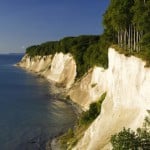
x=53 y=143
x=61 y=92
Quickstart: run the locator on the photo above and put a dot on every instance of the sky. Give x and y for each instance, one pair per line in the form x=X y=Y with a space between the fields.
x=28 y=22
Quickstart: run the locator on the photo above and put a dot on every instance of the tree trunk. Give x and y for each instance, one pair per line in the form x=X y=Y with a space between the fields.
x=129 y=38
x=134 y=46
x=121 y=38
x=140 y=36
x=144 y=3
x=137 y=41
x=124 y=39
x=118 y=38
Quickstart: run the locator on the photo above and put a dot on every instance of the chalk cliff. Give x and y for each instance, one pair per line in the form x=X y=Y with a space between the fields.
x=126 y=81
x=61 y=68
x=36 y=64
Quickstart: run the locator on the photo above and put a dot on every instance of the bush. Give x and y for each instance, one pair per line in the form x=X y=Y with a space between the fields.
x=128 y=139
x=94 y=110
x=124 y=140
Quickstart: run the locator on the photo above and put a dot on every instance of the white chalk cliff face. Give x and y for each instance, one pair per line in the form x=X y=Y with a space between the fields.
x=91 y=87
x=61 y=68
x=127 y=83
x=36 y=64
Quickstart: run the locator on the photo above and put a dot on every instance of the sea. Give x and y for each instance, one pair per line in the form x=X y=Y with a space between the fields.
x=32 y=111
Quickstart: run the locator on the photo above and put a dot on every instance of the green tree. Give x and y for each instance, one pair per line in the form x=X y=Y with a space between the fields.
x=125 y=140
x=130 y=20
x=128 y=139
x=78 y=47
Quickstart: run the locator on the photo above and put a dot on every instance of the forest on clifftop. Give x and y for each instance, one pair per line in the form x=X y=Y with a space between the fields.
x=126 y=25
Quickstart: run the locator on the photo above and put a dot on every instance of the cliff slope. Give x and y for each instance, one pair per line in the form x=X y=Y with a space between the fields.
x=127 y=83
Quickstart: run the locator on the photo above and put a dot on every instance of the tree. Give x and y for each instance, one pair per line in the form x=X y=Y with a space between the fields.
x=130 y=20
x=119 y=17
x=124 y=140
x=80 y=47
x=128 y=139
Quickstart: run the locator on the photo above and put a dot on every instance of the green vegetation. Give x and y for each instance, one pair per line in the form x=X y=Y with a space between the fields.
x=86 y=50
x=94 y=110
x=128 y=139
x=93 y=85
x=70 y=139
x=128 y=22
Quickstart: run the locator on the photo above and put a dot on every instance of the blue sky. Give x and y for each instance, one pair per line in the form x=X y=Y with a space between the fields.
x=27 y=22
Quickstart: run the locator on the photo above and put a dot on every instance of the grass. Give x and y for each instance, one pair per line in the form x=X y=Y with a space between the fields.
x=72 y=136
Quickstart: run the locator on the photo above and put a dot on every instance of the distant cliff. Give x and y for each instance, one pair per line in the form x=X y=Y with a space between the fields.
x=126 y=81
x=60 y=68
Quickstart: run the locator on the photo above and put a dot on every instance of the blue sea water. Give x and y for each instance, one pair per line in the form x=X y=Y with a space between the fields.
x=30 y=113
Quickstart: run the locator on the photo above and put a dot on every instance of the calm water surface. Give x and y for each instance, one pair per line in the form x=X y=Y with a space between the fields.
x=30 y=113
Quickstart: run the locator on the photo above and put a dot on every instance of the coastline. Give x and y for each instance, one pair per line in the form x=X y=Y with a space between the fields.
x=61 y=92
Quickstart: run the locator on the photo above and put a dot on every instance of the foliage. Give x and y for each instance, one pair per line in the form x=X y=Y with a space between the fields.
x=128 y=21
x=70 y=138
x=94 y=110
x=124 y=140
x=128 y=139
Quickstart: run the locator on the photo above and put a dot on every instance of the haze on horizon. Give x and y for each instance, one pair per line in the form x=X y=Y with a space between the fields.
x=27 y=22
